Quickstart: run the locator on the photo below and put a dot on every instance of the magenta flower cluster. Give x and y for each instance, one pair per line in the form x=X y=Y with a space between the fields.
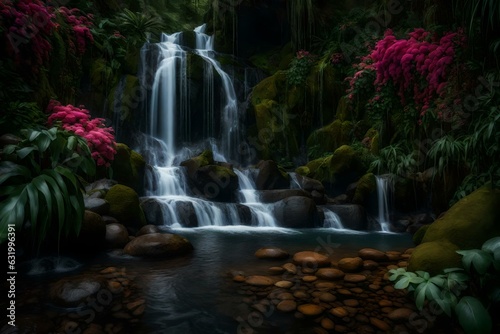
x=418 y=67
x=28 y=23
x=81 y=26
x=100 y=139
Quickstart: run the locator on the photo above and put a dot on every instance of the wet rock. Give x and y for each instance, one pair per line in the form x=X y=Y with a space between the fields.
x=372 y=254
x=158 y=245
x=273 y=196
x=72 y=291
x=284 y=284
x=353 y=216
x=276 y=270
x=370 y=265
x=327 y=297
x=271 y=253
x=327 y=324
x=350 y=264
x=97 y=205
x=116 y=235
x=354 y=278
x=296 y=212
x=400 y=314
x=311 y=259
x=310 y=310
x=257 y=280
x=339 y=312
x=287 y=306
x=309 y=278
x=271 y=176
x=330 y=273
x=148 y=229
x=153 y=211
x=290 y=268
x=380 y=324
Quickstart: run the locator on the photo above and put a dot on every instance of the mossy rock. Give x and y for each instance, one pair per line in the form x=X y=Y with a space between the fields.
x=124 y=206
x=470 y=222
x=268 y=88
x=343 y=110
x=343 y=159
x=303 y=170
x=328 y=138
x=419 y=235
x=274 y=60
x=434 y=257
x=128 y=167
x=204 y=159
x=366 y=185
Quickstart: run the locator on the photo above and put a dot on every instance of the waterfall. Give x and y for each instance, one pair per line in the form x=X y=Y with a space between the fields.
x=332 y=220
x=383 y=205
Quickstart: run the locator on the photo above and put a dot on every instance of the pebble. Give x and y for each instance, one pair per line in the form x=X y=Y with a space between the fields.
x=400 y=314
x=351 y=302
x=239 y=278
x=330 y=273
x=350 y=264
x=276 y=270
x=271 y=253
x=310 y=310
x=290 y=268
x=380 y=324
x=311 y=259
x=327 y=324
x=287 y=306
x=339 y=312
x=327 y=297
x=372 y=254
x=354 y=278
x=284 y=284
x=259 y=280
x=309 y=279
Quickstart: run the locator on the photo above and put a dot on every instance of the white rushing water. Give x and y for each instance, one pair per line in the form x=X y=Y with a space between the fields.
x=332 y=220
x=169 y=120
x=383 y=205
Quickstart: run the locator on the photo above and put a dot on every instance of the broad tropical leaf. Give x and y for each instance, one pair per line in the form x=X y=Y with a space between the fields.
x=473 y=317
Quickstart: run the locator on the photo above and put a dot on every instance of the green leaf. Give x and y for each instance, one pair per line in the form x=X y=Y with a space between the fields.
x=491 y=245
x=476 y=258
x=59 y=200
x=9 y=149
x=425 y=275
x=33 y=135
x=9 y=169
x=42 y=187
x=473 y=317
x=494 y=294
x=402 y=283
x=71 y=143
x=25 y=151
x=33 y=204
x=43 y=142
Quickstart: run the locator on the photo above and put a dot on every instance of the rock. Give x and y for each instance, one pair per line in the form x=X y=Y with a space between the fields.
x=400 y=314
x=353 y=216
x=380 y=324
x=290 y=268
x=185 y=213
x=330 y=137
x=273 y=196
x=128 y=167
x=372 y=254
x=370 y=265
x=70 y=292
x=350 y=264
x=116 y=235
x=148 y=229
x=296 y=212
x=419 y=234
x=109 y=219
x=153 y=213
x=284 y=284
x=339 y=312
x=285 y=296
x=470 y=222
x=310 y=310
x=330 y=273
x=257 y=280
x=239 y=278
x=102 y=186
x=309 y=278
x=354 y=278
x=309 y=184
x=327 y=324
x=158 y=245
x=124 y=206
x=271 y=253
x=311 y=259
x=287 y=306
x=366 y=186
x=327 y=297
x=92 y=234
x=276 y=270
x=434 y=257
x=97 y=205
x=271 y=176
x=351 y=302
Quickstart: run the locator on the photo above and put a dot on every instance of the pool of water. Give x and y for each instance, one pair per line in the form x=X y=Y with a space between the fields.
x=195 y=294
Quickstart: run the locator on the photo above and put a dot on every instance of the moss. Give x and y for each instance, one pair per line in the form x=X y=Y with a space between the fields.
x=366 y=185
x=267 y=89
x=434 y=257
x=342 y=159
x=124 y=206
x=419 y=235
x=375 y=144
x=319 y=169
x=128 y=167
x=343 y=110
x=303 y=170
x=274 y=60
x=470 y=222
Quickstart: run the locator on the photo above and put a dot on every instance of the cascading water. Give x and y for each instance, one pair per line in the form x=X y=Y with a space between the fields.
x=383 y=203
x=332 y=220
x=169 y=120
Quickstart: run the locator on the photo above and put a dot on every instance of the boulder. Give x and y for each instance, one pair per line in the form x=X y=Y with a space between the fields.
x=97 y=205
x=271 y=176
x=272 y=196
x=116 y=235
x=353 y=216
x=350 y=264
x=186 y=213
x=73 y=291
x=92 y=233
x=100 y=187
x=434 y=257
x=372 y=254
x=364 y=188
x=162 y=245
x=309 y=184
x=329 y=138
x=470 y=222
x=257 y=280
x=271 y=253
x=296 y=212
x=124 y=206
x=153 y=213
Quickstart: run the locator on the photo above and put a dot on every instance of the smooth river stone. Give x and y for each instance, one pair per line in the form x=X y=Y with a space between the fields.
x=290 y=268
x=276 y=270
x=311 y=259
x=327 y=297
x=285 y=296
x=330 y=273
x=339 y=312
x=380 y=324
x=400 y=314
x=309 y=278
x=284 y=284
x=370 y=265
x=259 y=280
x=287 y=306
x=354 y=278
x=372 y=254
x=310 y=310
x=350 y=264
x=271 y=253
